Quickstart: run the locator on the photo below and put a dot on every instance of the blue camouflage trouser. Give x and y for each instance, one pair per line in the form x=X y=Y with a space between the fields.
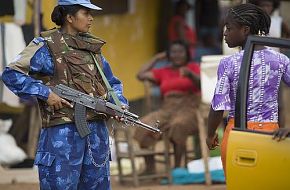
x=67 y=162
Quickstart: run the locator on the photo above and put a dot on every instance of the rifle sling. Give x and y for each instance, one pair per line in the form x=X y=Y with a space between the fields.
x=111 y=92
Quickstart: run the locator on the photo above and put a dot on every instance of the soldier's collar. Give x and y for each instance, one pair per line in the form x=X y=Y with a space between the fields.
x=84 y=41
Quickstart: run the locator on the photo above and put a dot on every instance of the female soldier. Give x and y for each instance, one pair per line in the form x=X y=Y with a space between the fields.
x=268 y=68
x=65 y=56
x=179 y=83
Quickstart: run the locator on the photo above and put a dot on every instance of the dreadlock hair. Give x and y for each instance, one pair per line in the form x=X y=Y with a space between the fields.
x=250 y=15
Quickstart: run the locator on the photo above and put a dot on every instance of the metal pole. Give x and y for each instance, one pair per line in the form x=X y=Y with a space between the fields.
x=36 y=17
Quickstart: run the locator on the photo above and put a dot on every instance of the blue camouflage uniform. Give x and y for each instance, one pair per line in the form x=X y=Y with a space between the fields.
x=64 y=160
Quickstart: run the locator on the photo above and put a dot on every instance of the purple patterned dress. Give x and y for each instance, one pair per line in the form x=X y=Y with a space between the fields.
x=267 y=70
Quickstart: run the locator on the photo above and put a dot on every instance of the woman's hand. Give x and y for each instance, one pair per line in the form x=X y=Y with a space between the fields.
x=281 y=134
x=55 y=102
x=212 y=142
x=185 y=72
x=145 y=71
x=160 y=56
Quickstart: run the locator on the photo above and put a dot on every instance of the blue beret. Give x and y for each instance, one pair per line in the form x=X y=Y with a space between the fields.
x=85 y=3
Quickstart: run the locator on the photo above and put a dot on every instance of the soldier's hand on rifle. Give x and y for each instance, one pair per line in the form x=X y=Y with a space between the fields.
x=56 y=102
x=120 y=119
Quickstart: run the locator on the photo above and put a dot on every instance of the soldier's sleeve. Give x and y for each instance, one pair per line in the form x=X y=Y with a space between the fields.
x=115 y=83
x=35 y=58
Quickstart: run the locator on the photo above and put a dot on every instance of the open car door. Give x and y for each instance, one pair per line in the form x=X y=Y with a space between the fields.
x=254 y=160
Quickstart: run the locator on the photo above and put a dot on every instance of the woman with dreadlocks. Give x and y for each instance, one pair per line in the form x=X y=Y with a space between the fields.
x=266 y=73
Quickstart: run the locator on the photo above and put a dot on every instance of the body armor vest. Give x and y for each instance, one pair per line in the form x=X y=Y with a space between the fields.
x=74 y=67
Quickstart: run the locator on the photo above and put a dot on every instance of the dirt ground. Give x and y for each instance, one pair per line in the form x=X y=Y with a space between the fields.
x=117 y=186
x=150 y=185
x=184 y=187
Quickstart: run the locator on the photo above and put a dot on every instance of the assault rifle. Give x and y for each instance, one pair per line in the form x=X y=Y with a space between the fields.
x=82 y=101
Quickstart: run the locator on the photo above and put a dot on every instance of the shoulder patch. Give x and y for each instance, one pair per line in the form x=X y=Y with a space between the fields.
x=38 y=40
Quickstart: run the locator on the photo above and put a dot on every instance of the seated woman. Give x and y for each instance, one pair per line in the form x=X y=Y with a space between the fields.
x=179 y=83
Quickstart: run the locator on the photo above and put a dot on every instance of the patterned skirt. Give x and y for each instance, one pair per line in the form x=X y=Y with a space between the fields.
x=176 y=116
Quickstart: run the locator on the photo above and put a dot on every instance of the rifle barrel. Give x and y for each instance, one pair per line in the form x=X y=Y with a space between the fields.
x=145 y=126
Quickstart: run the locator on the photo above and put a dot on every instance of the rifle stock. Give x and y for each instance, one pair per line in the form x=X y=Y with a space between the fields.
x=83 y=101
